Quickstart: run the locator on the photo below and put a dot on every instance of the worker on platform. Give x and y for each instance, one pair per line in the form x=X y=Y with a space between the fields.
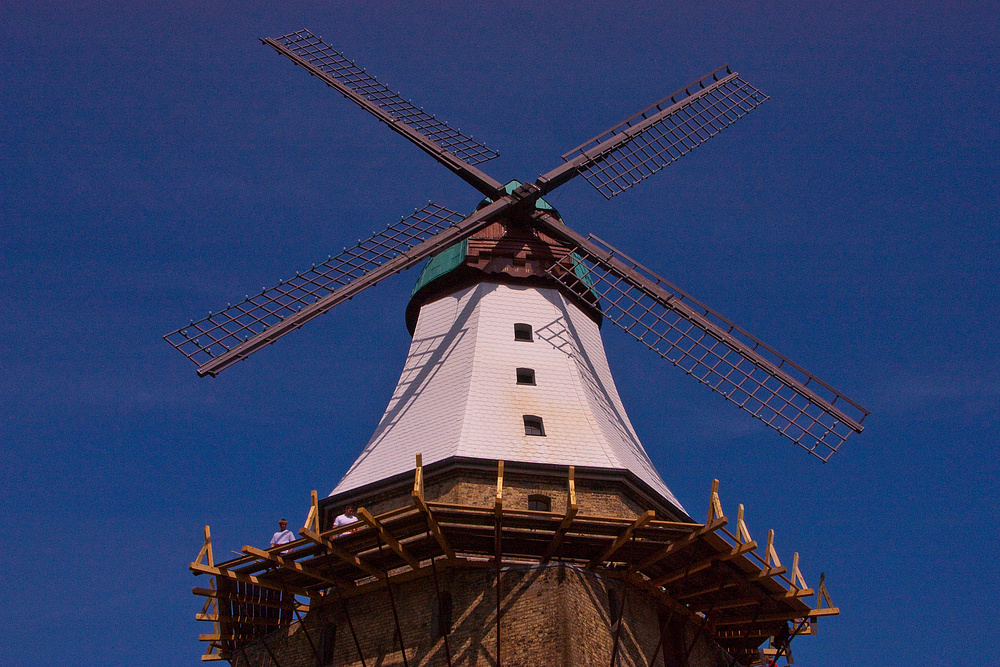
x=283 y=536
x=345 y=519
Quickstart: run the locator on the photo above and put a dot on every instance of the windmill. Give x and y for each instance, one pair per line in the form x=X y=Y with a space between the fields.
x=519 y=246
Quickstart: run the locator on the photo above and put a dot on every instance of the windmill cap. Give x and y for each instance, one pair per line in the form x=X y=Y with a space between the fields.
x=452 y=257
x=453 y=268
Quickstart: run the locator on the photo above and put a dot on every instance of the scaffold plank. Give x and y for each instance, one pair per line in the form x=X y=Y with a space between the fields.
x=621 y=539
x=291 y=564
x=247 y=599
x=198 y=568
x=388 y=538
x=342 y=554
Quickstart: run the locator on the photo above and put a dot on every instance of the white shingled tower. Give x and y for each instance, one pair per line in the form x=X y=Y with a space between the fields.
x=472 y=387
x=506 y=364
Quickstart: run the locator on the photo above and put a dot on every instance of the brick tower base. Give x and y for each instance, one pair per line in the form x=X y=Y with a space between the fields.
x=553 y=614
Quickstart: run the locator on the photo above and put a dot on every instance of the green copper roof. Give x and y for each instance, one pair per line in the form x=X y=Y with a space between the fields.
x=452 y=257
x=448 y=259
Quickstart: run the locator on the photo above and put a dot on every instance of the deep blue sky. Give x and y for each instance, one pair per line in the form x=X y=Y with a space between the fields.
x=159 y=162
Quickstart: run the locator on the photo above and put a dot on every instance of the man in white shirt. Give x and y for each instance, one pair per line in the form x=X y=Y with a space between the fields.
x=345 y=519
x=283 y=536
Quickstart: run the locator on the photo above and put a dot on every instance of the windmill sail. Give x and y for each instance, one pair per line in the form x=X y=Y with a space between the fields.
x=228 y=334
x=457 y=151
x=712 y=349
x=641 y=145
x=691 y=336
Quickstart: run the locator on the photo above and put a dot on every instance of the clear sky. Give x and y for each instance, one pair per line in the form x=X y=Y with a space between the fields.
x=158 y=162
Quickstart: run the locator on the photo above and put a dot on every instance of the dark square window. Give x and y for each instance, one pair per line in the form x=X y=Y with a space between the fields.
x=539 y=503
x=526 y=376
x=533 y=425
x=522 y=332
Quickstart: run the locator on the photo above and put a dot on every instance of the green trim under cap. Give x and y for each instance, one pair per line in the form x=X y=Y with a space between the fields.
x=445 y=261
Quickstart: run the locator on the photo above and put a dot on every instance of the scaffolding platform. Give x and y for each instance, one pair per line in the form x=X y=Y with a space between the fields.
x=712 y=574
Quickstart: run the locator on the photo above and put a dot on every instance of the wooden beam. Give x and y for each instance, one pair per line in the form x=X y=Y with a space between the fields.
x=729 y=604
x=404 y=576
x=342 y=554
x=247 y=599
x=621 y=539
x=249 y=620
x=418 y=477
x=796 y=593
x=498 y=505
x=714 y=505
x=679 y=544
x=704 y=564
x=312 y=519
x=571 y=491
x=747 y=601
x=498 y=554
x=771 y=618
x=822 y=594
x=206 y=548
x=770 y=555
x=769 y=572
x=211 y=603
x=225 y=638
x=796 y=575
x=435 y=528
x=417 y=496
x=571 y=510
x=290 y=564
x=742 y=533
x=388 y=538
x=706 y=591
x=726 y=636
x=198 y=568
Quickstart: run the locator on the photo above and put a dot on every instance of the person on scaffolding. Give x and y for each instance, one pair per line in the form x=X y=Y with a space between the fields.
x=345 y=519
x=283 y=536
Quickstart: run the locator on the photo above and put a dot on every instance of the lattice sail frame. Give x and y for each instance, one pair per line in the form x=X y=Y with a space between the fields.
x=327 y=59
x=716 y=352
x=704 y=344
x=666 y=131
x=218 y=333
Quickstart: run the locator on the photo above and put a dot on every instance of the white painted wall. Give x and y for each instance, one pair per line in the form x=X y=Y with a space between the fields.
x=457 y=395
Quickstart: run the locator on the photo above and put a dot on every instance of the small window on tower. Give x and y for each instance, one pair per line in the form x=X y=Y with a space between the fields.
x=526 y=376
x=522 y=332
x=539 y=503
x=533 y=425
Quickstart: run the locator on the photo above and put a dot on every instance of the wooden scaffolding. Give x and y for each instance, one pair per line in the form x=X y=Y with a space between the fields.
x=714 y=577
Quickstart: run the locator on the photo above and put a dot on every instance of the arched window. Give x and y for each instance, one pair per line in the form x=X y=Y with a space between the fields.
x=533 y=425
x=539 y=503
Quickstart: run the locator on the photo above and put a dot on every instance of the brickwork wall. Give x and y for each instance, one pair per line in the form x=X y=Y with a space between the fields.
x=478 y=488
x=551 y=615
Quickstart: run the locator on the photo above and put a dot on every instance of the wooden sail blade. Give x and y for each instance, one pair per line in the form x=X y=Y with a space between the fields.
x=639 y=146
x=221 y=339
x=456 y=151
x=709 y=347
